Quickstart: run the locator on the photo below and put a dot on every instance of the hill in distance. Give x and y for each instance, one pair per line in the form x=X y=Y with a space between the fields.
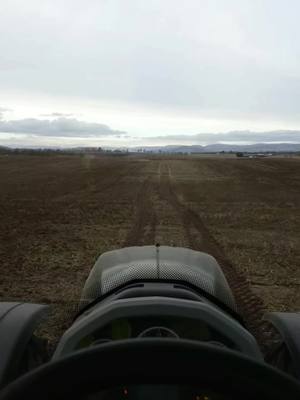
x=218 y=147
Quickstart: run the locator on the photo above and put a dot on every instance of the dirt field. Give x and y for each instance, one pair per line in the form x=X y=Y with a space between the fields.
x=58 y=213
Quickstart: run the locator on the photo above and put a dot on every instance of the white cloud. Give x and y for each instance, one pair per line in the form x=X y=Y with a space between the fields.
x=3 y=110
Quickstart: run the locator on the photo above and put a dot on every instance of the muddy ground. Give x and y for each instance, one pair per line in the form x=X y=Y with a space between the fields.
x=58 y=213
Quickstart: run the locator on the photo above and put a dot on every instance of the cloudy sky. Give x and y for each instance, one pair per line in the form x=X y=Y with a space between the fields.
x=132 y=72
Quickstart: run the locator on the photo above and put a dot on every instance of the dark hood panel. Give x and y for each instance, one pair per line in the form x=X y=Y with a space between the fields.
x=116 y=268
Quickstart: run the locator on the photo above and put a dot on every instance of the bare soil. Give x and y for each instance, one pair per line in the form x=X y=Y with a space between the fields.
x=58 y=213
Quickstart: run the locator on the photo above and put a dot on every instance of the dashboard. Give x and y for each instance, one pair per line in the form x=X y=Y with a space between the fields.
x=155 y=326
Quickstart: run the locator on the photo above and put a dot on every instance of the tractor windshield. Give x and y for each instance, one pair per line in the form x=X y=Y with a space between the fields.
x=129 y=123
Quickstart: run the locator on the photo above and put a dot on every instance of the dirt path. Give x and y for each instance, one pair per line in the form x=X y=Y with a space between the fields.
x=160 y=191
x=144 y=225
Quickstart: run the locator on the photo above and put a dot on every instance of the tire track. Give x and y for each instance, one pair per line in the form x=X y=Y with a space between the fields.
x=250 y=306
x=143 y=230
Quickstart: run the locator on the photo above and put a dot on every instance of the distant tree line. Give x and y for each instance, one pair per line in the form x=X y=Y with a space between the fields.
x=72 y=151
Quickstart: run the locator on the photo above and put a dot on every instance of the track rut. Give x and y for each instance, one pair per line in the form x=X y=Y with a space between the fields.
x=161 y=189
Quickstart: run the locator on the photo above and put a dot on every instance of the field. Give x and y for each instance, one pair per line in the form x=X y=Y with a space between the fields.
x=58 y=213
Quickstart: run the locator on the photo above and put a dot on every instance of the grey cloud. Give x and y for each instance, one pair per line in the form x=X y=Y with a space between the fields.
x=210 y=59
x=224 y=57
x=234 y=136
x=57 y=114
x=60 y=127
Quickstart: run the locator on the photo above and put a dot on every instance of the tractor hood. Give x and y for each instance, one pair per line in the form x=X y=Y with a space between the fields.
x=119 y=267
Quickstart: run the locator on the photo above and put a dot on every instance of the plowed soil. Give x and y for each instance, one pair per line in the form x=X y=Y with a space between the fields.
x=58 y=213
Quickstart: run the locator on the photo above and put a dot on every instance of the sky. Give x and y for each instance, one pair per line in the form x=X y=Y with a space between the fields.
x=132 y=72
